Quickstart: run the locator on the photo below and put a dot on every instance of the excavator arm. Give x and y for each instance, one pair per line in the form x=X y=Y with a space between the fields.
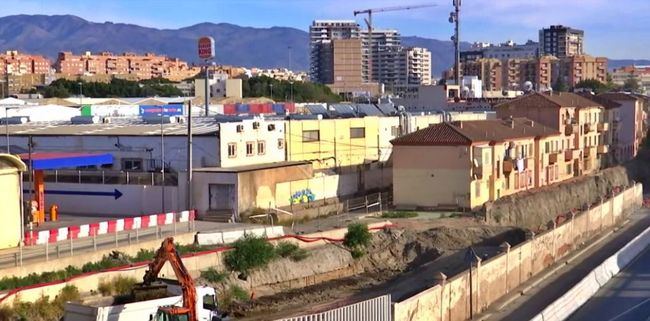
x=168 y=253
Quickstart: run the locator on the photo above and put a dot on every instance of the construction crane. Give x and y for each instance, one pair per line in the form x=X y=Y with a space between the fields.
x=369 y=24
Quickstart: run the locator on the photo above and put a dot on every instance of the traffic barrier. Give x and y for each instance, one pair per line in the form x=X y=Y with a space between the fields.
x=579 y=294
x=106 y=227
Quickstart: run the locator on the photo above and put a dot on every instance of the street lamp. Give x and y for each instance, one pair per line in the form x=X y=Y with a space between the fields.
x=291 y=89
x=271 y=85
x=162 y=156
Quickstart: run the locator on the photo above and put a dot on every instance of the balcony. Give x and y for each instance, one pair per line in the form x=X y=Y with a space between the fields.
x=571 y=154
x=477 y=172
x=508 y=166
x=570 y=129
x=588 y=128
x=589 y=152
x=603 y=127
x=553 y=157
x=603 y=149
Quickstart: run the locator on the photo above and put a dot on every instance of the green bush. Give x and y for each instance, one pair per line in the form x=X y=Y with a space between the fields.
x=357 y=253
x=232 y=294
x=291 y=250
x=248 y=253
x=143 y=255
x=399 y=214
x=118 y=286
x=42 y=309
x=214 y=276
x=357 y=235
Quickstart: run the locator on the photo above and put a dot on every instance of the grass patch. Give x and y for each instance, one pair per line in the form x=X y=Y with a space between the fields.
x=234 y=293
x=291 y=250
x=214 y=276
x=399 y=214
x=118 y=286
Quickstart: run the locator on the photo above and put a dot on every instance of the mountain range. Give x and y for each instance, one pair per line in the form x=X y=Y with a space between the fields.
x=235 y=45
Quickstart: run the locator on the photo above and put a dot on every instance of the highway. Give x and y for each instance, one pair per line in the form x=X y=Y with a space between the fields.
x=626 y=297
x=525 y=307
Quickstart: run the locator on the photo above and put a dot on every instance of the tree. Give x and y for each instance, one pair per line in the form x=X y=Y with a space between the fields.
x=560 y=85
x=632 y=85
x=593 y=84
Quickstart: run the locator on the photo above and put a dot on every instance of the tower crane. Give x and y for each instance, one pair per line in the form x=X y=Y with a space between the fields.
x=368 y=21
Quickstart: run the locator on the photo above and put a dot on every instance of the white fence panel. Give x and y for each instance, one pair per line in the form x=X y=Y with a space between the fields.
x=377 y=309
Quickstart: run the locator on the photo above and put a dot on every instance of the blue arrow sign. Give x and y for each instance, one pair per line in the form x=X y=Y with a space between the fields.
x=115 y=193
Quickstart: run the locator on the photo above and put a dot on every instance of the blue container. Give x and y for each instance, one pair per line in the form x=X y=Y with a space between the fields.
x=243 y=108
x=278 y=108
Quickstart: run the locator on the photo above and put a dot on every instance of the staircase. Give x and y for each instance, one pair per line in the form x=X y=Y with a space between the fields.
x=220 y=216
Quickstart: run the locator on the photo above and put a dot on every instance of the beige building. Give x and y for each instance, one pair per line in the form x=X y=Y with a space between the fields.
x=11 y=169
x=467 y=163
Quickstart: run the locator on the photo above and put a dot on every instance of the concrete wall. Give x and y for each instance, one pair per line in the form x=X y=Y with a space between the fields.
x=135 y=199
x=431 y=176
x=450 y=299
x=10 y=201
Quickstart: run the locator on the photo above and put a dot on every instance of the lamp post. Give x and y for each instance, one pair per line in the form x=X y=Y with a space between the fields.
x=162 y=156
x=7 y=126
x=291 y=89
x=271 y=85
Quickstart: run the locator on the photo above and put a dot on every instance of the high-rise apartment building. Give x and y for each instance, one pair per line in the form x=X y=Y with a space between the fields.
x=561 y=41
x=321 y=35
x=380 y=55
x=414 y=66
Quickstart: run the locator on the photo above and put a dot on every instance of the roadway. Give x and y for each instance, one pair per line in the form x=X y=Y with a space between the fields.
x=626 y=297
x=544 y=289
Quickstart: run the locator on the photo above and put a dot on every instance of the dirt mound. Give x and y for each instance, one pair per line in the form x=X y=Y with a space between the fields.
x=397 y=261
x=533 y=210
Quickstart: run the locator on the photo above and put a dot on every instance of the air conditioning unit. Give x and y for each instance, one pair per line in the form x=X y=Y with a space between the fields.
x=256 y=125
x=240 y=128
x=271 y=127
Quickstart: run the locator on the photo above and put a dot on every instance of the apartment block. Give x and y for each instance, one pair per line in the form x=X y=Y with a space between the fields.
x=489 y=70
x=561 y=41
x=321 y=35
x=580 y=120
x=465 y=164
x=506 y=50
x=629 y=123
x=640 y=73
x=145 y=66
x=583 y=67
x=416 y=64
x=16 y=63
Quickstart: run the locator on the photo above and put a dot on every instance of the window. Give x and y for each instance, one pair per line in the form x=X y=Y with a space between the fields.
x=232 y=150
x=261 y=147
x=357 y=132
x=132 y=164
x=310 y=135
x=568 y=169
x=280 y=143
x=394 y=131
x=249 y=149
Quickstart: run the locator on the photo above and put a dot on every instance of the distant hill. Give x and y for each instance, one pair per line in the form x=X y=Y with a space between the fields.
x=617 y=63
x=236 y=45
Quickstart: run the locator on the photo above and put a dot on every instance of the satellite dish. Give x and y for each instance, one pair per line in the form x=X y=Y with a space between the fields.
x=465 y=91
x=528 y=86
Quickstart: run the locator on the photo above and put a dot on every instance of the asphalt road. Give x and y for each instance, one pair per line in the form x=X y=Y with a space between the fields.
x=526 y=306
x=626 y=297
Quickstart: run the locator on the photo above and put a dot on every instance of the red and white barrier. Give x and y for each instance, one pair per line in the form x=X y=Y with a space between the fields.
x=106 y=227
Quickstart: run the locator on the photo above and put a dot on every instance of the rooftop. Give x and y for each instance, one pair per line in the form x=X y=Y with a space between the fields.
x=551 y=100
x=619 y=96
x=468 y=132
x=249 y=168
x=601 y=100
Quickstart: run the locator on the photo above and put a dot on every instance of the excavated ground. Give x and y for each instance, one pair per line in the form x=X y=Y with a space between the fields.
x=399 y=261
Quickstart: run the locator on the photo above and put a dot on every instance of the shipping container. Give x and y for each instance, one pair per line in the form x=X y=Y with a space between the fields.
x=229 y=109
x=243 y=108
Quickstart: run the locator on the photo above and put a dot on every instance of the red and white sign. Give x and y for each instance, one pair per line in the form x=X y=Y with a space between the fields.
x=206 y=47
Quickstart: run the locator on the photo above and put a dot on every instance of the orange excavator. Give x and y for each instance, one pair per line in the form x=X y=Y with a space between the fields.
x=188 y=311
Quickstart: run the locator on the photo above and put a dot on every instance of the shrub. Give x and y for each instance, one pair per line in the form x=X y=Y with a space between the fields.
x=143 y=255
x=399 y=214
x=357 y=253
x=214 y=276
x=357 y=235
x=248 y=253
x=118 y=286
x=105 y=288
x=42 y=309
x=291 y=250
x=232 y=294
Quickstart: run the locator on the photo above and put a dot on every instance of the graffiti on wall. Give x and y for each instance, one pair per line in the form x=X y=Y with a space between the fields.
x=302 y=196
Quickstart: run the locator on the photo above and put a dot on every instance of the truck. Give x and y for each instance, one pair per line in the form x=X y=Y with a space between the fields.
x=191 y=304
x=104 y=309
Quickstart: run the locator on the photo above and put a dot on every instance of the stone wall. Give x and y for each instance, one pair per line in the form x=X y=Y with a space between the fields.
x=534 y=209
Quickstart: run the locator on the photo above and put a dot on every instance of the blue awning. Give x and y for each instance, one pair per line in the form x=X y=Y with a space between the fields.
x=66 y=160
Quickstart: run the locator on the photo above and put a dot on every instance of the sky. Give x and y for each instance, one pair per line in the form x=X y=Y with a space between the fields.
x=613 y=28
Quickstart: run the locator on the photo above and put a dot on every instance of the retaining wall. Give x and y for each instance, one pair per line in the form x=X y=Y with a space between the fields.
x=450 y=300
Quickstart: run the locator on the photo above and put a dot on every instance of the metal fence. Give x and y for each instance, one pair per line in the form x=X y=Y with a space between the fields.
x=377 y=309
x=108 y=177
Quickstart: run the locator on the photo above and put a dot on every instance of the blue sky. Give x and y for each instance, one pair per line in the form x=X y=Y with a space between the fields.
x=613 y=28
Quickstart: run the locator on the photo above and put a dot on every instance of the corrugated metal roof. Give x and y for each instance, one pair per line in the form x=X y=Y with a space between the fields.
x=368 y=110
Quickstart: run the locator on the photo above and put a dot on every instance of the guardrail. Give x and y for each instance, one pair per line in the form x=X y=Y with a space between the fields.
x=108 y=177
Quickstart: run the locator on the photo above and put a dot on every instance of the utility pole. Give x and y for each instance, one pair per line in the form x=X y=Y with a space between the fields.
x=162 y=156
x=207 y=88
x=455 y=17
x=189 y=155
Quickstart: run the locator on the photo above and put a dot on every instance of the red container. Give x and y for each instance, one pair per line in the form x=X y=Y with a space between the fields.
x=267 y=108
x=255 y=109
x=229 y=109
x=290 y=107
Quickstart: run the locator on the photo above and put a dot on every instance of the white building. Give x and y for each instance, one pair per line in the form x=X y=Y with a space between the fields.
x=221 y=86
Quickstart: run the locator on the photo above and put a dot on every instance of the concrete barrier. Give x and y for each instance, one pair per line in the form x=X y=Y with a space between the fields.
x=226 y=237
x=571 y=301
